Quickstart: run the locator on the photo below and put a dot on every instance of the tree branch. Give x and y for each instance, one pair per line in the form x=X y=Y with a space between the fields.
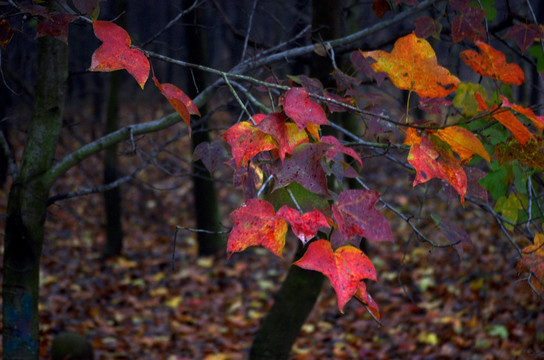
x=138 y=129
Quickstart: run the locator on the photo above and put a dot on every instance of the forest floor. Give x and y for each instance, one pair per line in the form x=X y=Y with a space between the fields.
x=157 y=301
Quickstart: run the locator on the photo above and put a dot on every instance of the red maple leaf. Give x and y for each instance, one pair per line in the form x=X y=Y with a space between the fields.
x=6 y=33
x=355 y=214
x=179 y=100
x=255 y=223
x=338 y=147
x=304 y=166
x=302 y=110
x=469 y=25
x=363 y=296
x=116 y=52
x=247 y=141
x=304 y=226
x=286 y=133
x=380 y=7
x=426 y=26
x=56 y=26
x=345 y=267
x=524 y=34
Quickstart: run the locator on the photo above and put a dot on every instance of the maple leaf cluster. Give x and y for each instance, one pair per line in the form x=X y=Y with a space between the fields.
x=284 y=151
x=304 y=157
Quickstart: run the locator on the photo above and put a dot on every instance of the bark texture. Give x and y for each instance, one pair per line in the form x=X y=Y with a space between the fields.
x=27 y=206
x=293 y=303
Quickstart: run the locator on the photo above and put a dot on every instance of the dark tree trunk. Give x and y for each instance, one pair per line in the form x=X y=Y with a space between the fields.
x=112 y=198
x=205 y=196
x=26 y=210
x=292 y=305
x=326 y=25
x=5 y=102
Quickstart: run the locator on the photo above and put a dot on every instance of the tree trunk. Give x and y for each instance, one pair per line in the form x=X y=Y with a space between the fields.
x=326 y=25
x=112 y=197
x=205 y=197
x=291 y=308
x=26 y=210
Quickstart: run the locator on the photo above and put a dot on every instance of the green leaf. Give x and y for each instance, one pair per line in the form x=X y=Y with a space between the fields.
x=464 y=98
x=496 y=134
x=498 y=330
x=490 y=9
x=536 y=52
x=495 y=181
x=520 y=179
x=509 y=207
x=306 y=199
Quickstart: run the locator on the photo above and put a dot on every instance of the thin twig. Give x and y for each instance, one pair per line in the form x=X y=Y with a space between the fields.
x=179 y=227
x=119 y=181
x=235 y=94
x=406 y=219
x=251 y=98
x=292 y=196
x=500 y=220
x=4 y=79
x=535 y=20
x=249 y=26
x=173 y=21
x=263 y=187
x=9 y=155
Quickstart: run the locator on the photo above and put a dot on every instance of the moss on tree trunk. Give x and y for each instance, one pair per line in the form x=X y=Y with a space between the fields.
x=27 y=206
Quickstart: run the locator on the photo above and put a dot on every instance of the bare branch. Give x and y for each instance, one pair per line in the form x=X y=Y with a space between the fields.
x=173 y=21
x=248 y=32
x=121 y=180
x=137 y=129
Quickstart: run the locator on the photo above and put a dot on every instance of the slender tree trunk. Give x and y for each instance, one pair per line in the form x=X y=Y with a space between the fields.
x=205 y=196
x=27 y=206
x=292 y=305
x=326 y=25
x=5 y=102
x=112 y=197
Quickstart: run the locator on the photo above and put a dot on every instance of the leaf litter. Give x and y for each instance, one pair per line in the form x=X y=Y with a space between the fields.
x=433 y=304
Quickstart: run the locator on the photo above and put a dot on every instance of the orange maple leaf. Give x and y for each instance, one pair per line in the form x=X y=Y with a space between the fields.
x=506 y=118
x=537 y=120
x=492 y=63
x=412 y=65
x=463 y=142
x=533 y=261
x=432 y=161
